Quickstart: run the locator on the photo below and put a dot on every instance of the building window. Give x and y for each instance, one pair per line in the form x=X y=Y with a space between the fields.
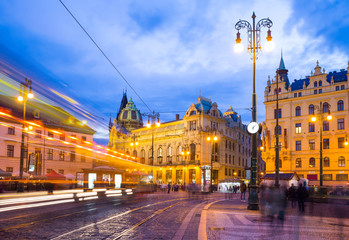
x=48 y=170
x=83 y=138
x=72 y=156
x=50 y=134
x=150 y=154
x=315 y=84
x=38 y=133
x=320 y=90
x=279 y=132
x=229 y=145
x=298 y=111
x=280 y=113
x=340 y=124
x=326 y=126
x=62 y=137
x=192 y=125
x=50 y=154
x=298 y=163
x=10 y=150
x=179 y=153
x=226 y=171
x=73 y=138
x=340 y=105
x=342 y=87
x=11 y=131
x=325 y=107
x=229 y=159
x=341 y=161
x=312 y=144
x=298 y=128
x=298 y=146
x=311 y=109
x=61 y=171
x=315 y=91
x=169 y=154
x=326 y=162
x=337 y=88
x=226 y=158
x=61 y=155
x=134 y=153
x=280 y=163
x=295 y=95
x=9 y=169
x=229 y=172
x=192 y=152
x=320 y=83
x=312 y=162
x=342 y=177
x=160 y=155
x=326 y=143
x=311 y=127
x=299 y=94
x=327 y=177
x=341 y=142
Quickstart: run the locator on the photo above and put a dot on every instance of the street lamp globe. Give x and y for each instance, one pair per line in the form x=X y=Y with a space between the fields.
x=269 y=45
x=238 y=47
x=208 y=138
x=30 y=95
x=329 y=117
x=215 y=138
x=20 y=98
x=313 y=119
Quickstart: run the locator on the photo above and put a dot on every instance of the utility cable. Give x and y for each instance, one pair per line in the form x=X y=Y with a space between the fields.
x=71 y=14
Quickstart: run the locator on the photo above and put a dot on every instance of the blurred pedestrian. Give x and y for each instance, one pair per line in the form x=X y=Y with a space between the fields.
x=292 y=195
x=301 y=196
x=169 y=187
x=243 y=190
x=235 y=188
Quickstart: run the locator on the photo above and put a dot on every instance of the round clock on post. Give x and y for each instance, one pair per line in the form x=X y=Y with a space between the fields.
x=252 y=127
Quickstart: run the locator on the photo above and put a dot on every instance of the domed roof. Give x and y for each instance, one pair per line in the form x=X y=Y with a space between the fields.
x=130 y=117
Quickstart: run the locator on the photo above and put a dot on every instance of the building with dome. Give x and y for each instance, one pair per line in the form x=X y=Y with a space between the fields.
x=318 y=95
x=179 y=151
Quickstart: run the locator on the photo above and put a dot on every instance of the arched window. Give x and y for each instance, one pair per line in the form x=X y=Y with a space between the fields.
x=312 y=162
x=315 y=84
x=279 y=90
x=275 y=91
x=340 y=105
x=325 y=107
x=179 y=153
x=142 y=156
x=298 y=111
x=192 y=152
x=326 y=161
x=311 y=109
x=280 y=130
x=298 y=163
x=150 y=156
x=169 y=155
x=160 y=155
x=341 y=161
x=320 y=83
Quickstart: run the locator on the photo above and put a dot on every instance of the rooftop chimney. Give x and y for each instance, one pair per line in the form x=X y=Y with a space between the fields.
x=177 y=117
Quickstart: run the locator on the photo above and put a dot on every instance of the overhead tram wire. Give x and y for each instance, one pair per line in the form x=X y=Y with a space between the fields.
x=71 y=14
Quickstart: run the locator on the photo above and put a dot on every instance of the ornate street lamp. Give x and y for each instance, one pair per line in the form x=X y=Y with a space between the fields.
x=254 y=48
x=153 y=121
x=321 y=120
x=25 y=92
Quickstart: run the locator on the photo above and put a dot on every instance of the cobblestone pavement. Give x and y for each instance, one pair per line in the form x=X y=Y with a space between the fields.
x=229 y=219
x=171 y=216
x=148 y=216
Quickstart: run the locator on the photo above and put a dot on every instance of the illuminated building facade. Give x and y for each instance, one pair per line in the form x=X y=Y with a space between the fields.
x=319 y=95
x=182 y=152
x=55 y=140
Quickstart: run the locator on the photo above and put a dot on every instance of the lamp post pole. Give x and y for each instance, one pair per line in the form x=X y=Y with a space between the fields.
x=320 y=109
x=212 y=140
x=24 y=94
x=254 y=48
x=152 y=117
x=277 y=161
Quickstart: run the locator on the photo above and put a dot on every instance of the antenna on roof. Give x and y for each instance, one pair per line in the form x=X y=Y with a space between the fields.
x=200 y=93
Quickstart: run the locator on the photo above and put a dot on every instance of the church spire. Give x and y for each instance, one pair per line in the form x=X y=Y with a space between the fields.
x=110 y=123
x=123 y=103
x=282 y=64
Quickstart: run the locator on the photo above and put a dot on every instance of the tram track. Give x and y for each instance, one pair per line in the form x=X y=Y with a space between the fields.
x=100 y=206
x=91 y=225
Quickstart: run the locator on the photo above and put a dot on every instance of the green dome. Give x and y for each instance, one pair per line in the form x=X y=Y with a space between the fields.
x=130 y=117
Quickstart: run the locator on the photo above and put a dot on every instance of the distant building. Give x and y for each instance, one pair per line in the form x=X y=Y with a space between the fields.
x=181 y=152
x=57 y=140
x=299 y=137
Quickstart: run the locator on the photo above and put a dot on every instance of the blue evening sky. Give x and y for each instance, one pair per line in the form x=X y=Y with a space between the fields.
x=169 y=51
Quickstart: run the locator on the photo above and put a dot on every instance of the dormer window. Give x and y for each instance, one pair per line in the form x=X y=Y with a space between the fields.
x=192 y=113
x=36 y=114
x=320 y=83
